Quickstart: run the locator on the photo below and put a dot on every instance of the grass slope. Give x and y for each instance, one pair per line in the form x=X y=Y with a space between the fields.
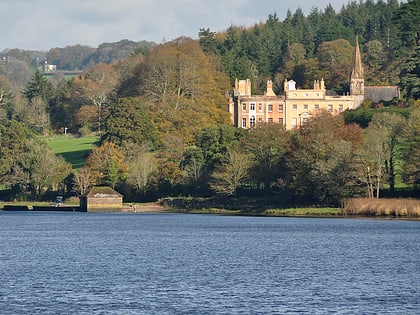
x=74 y=150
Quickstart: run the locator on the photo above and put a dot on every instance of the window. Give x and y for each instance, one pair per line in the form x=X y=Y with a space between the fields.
x=281 y=108
x=260 y=107
x=259 y=121
x=281 y=121
x=294 y=107
x=340 y=108
x=243 y=122
x=252 y=121
x=316 y=107
x=294 y=122
x=252 y=106
x=243 y=106
x=305 y=107
x=270 y=120
x=270 y=108
x=330 y=108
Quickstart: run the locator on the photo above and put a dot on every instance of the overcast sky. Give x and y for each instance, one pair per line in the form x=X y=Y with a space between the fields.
x=45 y=24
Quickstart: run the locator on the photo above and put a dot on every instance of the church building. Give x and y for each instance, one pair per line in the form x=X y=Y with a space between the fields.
x=296 y=106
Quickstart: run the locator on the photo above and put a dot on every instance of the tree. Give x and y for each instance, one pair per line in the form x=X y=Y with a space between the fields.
x=16 y=145
x=322 y=165
x=193 y=168
x=129 y=121
x=267 y=144
x=169 y=159
x=411 y=169
x=141 y=170
x=214 y=143
x=96 y=84
x=39 y=93
x=47 y=171
x=107 y=165
x=410 y=76
x=382 y=150
x=335 y=60
x=39 y=86
x=408 y=20
x=207 y=40
x=82 y=181
x=231 y=174
x=7 y=100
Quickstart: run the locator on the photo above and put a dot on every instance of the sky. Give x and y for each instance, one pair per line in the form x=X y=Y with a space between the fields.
x=45 y=24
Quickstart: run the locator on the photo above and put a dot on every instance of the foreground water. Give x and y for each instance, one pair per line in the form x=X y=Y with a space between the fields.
x=97 y=263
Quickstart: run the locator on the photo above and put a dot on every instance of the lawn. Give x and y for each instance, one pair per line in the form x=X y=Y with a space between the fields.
x=74 y=150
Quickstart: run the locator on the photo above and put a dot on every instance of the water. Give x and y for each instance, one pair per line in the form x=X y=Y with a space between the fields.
x=115 y=263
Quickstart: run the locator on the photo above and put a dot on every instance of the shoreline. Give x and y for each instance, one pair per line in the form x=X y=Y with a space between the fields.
x=157 y=207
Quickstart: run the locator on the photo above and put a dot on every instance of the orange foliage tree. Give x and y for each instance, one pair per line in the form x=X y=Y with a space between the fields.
x=107 y=165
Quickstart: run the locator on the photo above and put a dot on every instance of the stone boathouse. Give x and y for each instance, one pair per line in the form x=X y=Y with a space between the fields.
x=101 y=199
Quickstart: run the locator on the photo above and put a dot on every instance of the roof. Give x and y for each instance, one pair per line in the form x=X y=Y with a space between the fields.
x=102 y=191
x=381 y=93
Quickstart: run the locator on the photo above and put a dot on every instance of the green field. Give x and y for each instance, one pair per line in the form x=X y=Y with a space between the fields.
x=73 y=150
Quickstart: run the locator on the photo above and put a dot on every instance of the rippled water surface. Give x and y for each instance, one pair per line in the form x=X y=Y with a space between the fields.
x=115 y=263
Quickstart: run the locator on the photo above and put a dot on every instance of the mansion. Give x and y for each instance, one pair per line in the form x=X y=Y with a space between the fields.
x=295 y=107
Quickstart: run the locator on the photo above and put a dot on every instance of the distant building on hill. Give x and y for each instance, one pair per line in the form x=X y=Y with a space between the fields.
x=296 y=106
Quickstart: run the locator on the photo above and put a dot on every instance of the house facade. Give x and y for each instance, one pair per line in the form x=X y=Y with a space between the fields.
x=296 y=106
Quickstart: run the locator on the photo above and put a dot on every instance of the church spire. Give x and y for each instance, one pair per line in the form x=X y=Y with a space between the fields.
x=357 y=71
x=357 y=80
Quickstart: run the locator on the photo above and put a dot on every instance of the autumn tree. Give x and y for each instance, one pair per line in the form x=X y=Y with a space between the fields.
x=184 y=88
x=47 y=171
x=106 y=164
x=169 y=157
x=95 y=85
x=141 y=170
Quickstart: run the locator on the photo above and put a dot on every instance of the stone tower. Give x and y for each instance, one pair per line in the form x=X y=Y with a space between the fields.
x=357 y=80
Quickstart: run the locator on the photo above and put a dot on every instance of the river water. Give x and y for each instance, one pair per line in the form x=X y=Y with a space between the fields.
x=127 y=263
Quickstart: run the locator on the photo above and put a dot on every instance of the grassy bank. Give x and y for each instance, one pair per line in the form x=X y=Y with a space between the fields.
x=74 y=150
x=309 y=212
x=382 y=207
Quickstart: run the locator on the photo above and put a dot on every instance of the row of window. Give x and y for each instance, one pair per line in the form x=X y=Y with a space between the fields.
x=316 y=107
x=294 y=107
x=252 y=121
x=260 y=107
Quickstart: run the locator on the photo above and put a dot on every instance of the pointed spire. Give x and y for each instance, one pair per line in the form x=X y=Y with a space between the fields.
x=357 y=70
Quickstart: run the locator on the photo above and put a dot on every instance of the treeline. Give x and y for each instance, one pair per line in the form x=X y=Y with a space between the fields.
x=18 y=65
x=307 y=48
x=165 y=130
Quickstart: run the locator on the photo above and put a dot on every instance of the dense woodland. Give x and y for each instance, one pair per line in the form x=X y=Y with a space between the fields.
x=161 y=112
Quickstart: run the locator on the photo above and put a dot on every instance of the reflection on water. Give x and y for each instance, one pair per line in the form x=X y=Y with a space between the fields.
x=93 y=263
